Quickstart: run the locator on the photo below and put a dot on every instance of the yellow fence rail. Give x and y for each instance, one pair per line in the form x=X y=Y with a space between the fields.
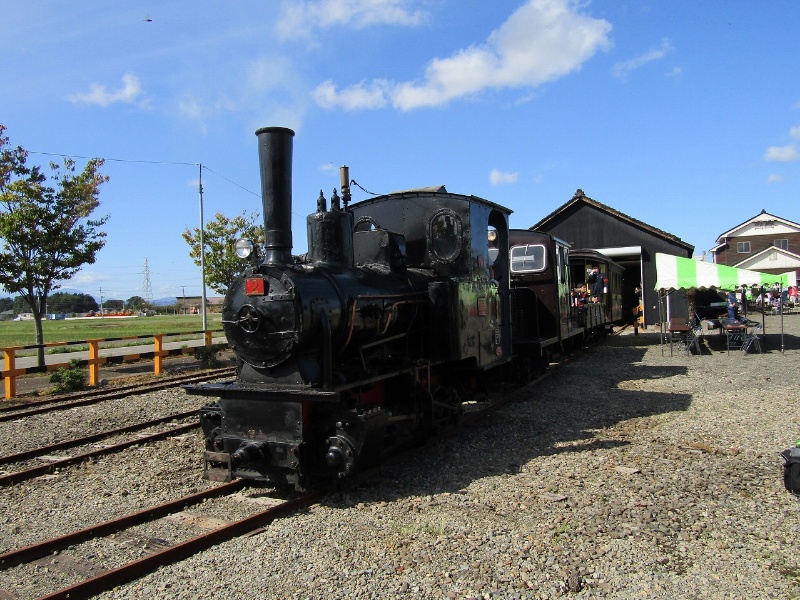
x=11 y=372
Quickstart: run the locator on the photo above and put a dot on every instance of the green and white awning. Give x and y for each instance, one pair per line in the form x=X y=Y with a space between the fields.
x=676 y=273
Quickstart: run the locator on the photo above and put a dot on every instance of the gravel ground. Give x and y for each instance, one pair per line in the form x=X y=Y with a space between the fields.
x=628 y=473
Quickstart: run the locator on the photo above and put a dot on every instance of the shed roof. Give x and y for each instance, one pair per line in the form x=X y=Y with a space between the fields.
x=580 y=198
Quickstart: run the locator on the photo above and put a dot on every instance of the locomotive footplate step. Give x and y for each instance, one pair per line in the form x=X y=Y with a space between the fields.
x=224 y=474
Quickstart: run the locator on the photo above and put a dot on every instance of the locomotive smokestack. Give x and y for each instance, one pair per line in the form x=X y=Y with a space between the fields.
x=275 y=161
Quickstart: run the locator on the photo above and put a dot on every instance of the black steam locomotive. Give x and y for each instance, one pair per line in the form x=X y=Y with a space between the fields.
x=375 y=339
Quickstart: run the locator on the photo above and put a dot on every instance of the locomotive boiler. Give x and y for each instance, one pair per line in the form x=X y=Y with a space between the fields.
x=369 y=342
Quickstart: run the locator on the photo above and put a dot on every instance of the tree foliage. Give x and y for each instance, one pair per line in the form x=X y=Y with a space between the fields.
x=63 y=302
x=135 y=303
x=47 y=232
x=219 y=239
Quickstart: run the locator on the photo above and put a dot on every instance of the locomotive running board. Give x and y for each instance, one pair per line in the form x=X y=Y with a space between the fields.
x=217 y=473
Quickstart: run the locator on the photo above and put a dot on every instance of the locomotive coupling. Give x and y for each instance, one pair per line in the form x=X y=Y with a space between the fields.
x=341 y=454
x=248 y=453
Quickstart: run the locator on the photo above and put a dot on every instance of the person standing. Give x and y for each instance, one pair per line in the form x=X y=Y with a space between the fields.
x=598 y=284
x=637 y=292
x=731 y=306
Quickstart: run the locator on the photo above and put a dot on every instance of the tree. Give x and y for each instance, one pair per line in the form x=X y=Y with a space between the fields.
x=6 y=304
x=219 y=239
x=62 y=302
x=113 y=305
x=136 y=303
x=46 y=231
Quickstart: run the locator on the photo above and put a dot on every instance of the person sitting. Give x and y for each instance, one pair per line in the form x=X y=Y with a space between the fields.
x=579 y=295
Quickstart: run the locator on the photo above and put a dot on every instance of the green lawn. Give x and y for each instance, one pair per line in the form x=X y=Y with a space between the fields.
x=23 y=333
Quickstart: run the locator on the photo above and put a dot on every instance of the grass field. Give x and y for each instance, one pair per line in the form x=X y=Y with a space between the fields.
x=23 y=333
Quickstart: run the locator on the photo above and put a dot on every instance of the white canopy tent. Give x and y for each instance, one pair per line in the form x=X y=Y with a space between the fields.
x=678 y=273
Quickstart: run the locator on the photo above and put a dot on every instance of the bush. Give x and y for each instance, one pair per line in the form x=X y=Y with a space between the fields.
x=69 y=379
x=208 y=355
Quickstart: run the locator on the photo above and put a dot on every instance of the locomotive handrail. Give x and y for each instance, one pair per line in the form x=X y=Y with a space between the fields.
x=10 y=371
x=412 y=298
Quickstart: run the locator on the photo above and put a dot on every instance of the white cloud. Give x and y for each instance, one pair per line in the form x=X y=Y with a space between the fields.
x=794 y=132
x=774 y=178
x=129 y=93
x=360 y=96
x=786 y=153
x=192 y=108
x=328 y=169
x=541 y=41
x=497 y=177
x=622 y=69
x=300 y=18
x=86 y=279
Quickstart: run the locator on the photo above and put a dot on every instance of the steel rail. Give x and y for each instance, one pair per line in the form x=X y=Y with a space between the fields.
x=114 y=577
x=29 y=553
x=26 y=474
x=28 y=454
x=95 y=396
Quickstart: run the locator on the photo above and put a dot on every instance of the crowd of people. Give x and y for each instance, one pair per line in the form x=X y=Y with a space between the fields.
x=775 y=299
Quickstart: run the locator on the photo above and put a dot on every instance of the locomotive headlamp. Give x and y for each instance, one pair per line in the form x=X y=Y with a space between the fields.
x=492 y=235
x=244 y=248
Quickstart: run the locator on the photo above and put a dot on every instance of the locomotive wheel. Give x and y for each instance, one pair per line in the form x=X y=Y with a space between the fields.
x=445 y=408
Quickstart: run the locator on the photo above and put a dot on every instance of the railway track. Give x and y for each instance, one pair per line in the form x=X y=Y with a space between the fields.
x=36 y=407
x=50 y=551
x=64 y=552
x=52 y=462
x=59 y=462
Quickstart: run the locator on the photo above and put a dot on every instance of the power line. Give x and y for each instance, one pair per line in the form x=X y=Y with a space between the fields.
x=121 y=160
x=148 y=162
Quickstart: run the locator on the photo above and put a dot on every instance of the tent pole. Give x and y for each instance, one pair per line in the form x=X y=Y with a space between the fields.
x=763 y=323
x=780 y=303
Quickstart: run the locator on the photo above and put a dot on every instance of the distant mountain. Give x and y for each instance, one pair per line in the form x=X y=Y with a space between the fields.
x=168 y=301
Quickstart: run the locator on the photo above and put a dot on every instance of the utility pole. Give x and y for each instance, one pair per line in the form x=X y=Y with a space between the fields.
x=101 y=302
x=202 y=250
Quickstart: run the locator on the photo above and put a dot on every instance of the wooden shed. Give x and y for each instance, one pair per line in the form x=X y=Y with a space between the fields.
x=587 y=223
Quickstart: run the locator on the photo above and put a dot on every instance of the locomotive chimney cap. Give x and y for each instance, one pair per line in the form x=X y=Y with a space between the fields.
x=274 y=130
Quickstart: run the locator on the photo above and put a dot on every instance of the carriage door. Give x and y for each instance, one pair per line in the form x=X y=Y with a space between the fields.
x=564 y=291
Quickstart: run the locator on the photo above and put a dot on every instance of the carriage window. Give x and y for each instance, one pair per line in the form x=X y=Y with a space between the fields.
x=527 y=259
x=445 y=235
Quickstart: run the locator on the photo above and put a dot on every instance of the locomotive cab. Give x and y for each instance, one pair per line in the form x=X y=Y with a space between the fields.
x=463 y=241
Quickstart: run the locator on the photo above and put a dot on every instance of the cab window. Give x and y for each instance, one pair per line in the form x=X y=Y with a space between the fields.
x=528 y=259
x=445 y=235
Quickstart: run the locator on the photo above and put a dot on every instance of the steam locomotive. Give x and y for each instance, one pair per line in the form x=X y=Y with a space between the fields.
x=402 y=308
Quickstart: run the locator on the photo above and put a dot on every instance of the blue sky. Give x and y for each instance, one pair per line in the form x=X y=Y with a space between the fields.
x=683 y=114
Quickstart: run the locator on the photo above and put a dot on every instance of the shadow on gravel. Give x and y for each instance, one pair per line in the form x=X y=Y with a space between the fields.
x=567 y=412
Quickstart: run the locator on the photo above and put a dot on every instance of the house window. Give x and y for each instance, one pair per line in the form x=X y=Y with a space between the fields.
x=743 y=247
x=782 y=244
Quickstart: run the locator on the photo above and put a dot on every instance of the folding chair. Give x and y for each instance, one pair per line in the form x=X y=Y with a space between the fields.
x=751 y=339
x=679 y=332
x=695 y=338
